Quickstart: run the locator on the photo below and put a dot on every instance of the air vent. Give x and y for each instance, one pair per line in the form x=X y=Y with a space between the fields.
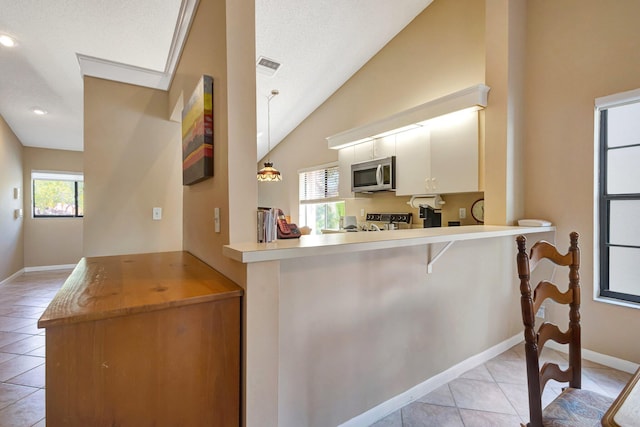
x=267 y=66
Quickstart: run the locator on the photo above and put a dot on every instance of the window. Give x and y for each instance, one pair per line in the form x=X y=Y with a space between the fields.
x=618 y=249
x=57 y=194
x=319 y=204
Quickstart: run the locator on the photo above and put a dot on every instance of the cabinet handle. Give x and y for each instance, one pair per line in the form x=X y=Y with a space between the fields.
x=427 y=183
x=434 y=182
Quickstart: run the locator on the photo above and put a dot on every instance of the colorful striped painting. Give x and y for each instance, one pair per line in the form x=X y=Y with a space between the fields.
x=197 y=134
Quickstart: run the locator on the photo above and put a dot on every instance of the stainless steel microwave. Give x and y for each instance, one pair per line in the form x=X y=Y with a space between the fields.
x=374 y=175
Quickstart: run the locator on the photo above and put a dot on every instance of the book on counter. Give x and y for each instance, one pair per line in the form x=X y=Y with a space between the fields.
x=267 y=225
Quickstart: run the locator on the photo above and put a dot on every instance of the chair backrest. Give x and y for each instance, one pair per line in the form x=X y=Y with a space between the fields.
x=536 y=338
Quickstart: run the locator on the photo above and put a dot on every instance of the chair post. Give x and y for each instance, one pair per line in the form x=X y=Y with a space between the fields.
x=575 y=356
x=530 y=336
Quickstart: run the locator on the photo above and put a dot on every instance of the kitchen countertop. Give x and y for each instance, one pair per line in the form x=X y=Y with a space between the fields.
x=336 y=243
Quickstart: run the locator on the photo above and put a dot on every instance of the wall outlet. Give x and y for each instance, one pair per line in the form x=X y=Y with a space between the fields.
x=462 y=213
x=541 y=312
x=157 y=214
x=361 y=212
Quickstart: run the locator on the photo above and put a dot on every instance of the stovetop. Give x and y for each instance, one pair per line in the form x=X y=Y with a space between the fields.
x=390 y=217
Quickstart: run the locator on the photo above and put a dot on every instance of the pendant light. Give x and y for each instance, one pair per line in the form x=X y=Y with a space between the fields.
x=268 y=173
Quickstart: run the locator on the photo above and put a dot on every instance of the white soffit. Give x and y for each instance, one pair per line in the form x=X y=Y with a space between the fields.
x=126 y=73
x=471 y=97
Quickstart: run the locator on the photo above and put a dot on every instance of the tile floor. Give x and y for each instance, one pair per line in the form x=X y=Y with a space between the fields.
x=22 y=301
x=493 y=394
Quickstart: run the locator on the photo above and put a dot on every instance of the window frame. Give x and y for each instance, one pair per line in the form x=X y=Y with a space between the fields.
x=75 y=177
x=602 y=291
x=322 y=200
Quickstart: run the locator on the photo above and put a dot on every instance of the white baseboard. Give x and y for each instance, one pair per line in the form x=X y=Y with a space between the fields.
x=50 y=268
x=13 y=276
x=416 y=392
x=603 y=359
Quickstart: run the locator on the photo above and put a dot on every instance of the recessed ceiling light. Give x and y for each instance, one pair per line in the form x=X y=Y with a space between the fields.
x=7 y=41
x=39 y=111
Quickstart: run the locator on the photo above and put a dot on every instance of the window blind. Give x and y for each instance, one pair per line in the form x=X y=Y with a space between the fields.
x=319 y=185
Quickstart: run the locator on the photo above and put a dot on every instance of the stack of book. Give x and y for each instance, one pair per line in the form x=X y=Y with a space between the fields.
x=267 y=225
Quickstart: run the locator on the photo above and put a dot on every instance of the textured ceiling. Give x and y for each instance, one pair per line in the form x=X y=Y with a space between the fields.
x=319 y=43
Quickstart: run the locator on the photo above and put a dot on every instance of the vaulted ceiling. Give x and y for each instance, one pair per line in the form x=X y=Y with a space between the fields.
x=320 y=45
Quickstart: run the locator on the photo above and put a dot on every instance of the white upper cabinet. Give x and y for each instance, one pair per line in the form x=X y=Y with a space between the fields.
x=346 y=156
x=439 y=158
x=454 y=154
x=413 y=167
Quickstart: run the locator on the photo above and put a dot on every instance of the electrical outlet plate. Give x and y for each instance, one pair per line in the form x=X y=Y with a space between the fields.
x=462 y=213
x=157 y=214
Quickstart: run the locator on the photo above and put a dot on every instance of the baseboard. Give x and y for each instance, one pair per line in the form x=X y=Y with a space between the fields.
x=416 y=392
x=50 y=268
x=603 y=359
x=13 y=276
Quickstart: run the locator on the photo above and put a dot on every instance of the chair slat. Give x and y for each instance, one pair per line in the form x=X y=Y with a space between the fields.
x=546 y=289
x=544 y=249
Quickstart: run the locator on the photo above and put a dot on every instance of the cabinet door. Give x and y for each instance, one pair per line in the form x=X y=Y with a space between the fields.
x=363 y=151
x=384 y=147
x=345 y=158
x=454 y=154
x=412 y=162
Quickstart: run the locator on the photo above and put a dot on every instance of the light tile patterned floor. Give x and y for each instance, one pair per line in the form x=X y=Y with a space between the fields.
x=495 y=394
x=22 y=301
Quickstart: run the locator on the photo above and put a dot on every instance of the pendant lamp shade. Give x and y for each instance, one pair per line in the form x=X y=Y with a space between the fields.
x=268 y=173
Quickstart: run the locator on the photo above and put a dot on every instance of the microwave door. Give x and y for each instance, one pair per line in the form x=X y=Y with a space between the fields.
x=365 y=178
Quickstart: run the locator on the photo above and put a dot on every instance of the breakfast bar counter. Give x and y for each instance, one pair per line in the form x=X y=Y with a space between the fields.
x=336 y=243
x=342 y=329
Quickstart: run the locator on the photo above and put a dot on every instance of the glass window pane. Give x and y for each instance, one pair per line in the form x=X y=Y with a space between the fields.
x=623 y=125
x=81 y=198
x=623 y=173
x=623 y=270
x=625 y=222
x=53 y=198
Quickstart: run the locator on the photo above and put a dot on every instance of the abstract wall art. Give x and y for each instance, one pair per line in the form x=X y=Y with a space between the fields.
x=197 y=134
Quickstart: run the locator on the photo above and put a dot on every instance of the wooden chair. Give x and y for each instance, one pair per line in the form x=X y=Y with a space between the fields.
x=574 y=406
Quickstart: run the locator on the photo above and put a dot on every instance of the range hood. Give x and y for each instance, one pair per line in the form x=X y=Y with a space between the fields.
x=471 y=98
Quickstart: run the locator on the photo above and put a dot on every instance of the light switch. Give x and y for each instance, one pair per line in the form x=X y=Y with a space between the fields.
x=16 y=193
x=157 y=214
x=17 y=213
x=216 y=220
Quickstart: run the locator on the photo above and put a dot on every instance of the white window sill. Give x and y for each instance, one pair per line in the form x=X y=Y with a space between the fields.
x=614 y=301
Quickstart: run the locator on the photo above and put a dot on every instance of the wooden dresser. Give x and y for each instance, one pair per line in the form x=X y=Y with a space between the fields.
x=143 y=340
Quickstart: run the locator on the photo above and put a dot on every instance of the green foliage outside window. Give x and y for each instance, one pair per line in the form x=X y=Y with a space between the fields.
x=57 y=198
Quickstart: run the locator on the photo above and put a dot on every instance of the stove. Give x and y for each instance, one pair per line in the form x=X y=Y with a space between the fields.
x=390 y=217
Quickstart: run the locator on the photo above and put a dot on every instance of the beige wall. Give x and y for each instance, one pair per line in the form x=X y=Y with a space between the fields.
x=132 y=163
x=440 y=52
x=577 y=51
x=50 y=241
x=11 y=229
x=351 y=335
x=227 y=54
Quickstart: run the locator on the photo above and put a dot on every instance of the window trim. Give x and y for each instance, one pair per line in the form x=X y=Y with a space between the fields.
x=74 y=177
x=601 y=230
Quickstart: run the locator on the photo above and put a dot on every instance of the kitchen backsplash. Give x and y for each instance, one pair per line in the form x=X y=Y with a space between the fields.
x=388 y=202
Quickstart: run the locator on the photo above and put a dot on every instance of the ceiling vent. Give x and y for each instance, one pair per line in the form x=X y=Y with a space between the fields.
x=267 y=66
